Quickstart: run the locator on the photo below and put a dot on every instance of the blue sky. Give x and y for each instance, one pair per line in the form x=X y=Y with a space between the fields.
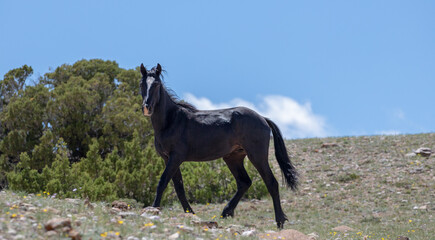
x=317 y=68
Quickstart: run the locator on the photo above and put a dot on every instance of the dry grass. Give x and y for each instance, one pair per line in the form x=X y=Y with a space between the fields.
x=366 y=183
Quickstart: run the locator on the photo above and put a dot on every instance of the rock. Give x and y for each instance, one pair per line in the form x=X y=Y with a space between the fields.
x=132 y=238
x=127 y=214
x=120 y=205
x=425 y=152
x=66 y=229
x=424 y=207
x=56 y=223
x=343 y=229
x=410 y=155
x=174 y=236
x=288 y=234
x=26 y=206
x=209 y=224
x=50 y=234
x=53 y=210
x=416 y=170
x=185 y=228
x=151 y=210
x=313 y=236
x=115 y=210
x=74 y=235
x=328 y=145
x=150 y=217
x=249 y=233
x=402 y=238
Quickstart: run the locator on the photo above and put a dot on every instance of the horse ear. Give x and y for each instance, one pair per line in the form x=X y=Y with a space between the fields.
x=143 y=70
x=158 y=69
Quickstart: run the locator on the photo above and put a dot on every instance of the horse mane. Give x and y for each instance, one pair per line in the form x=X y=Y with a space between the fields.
x=173 y=96
x=178 y=102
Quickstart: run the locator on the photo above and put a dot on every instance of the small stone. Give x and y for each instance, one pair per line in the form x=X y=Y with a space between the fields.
x=53 y=210
x=185 y=228
x=74 y=235
x=313 y=236
x=127 y=214
x=209 y=224
x=402 y=238
x=151 y=210
x=120 y=205
x=249 y=233
x=410 y=155
x=115 y=210
x=153 y=217
x=328 y=145
x=132 y=238
x=174 y=236
x=343 y=229
x=50 y=234
x=55 y=223
x=25 y=206
x=425 y=152
x=66 y=229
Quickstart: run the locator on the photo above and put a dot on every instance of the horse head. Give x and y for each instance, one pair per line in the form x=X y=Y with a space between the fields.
x=150 y=88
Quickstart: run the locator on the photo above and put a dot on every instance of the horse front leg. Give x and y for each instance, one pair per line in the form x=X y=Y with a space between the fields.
x=171 y=168
x=177 y=179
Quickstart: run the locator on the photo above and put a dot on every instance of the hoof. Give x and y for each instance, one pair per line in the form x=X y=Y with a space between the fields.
x=189 y=210
x=281 y=221
x=226 y=214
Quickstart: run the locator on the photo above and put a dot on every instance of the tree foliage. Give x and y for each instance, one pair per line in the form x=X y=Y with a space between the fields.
x=79 y=132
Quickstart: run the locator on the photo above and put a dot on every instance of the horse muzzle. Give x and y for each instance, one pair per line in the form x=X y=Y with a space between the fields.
x=146 y=111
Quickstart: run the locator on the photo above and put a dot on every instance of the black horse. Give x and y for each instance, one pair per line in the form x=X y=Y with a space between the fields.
x=184 y=133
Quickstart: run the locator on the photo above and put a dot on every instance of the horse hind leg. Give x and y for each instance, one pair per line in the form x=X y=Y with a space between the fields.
x=235 y=163
x=259 y=159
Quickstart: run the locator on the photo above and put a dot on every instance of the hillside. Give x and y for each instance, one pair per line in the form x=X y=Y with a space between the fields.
x=371 y=185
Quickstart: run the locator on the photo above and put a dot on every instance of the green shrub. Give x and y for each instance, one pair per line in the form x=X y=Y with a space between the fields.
x=80 y=132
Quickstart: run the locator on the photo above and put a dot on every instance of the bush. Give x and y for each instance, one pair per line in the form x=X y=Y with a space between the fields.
x=80 y=132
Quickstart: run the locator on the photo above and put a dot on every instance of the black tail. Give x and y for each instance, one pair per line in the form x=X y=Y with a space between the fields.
x=288 y=170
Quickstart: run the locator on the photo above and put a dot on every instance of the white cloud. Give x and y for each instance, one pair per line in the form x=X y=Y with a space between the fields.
x=388 y=132
x=295 y=120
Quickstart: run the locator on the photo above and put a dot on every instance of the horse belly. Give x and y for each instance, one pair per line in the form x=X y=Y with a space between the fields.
x=211 y=145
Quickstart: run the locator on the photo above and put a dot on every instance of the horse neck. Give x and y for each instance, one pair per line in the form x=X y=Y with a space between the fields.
x=163 y=111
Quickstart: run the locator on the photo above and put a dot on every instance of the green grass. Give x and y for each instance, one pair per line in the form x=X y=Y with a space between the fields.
x=365 y=183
